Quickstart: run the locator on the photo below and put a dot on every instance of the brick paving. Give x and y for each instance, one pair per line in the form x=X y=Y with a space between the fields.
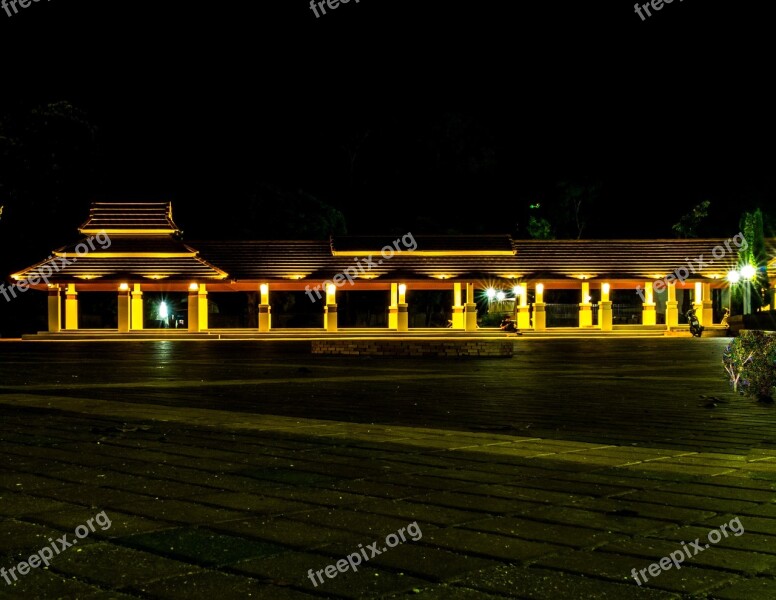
x=532 y=477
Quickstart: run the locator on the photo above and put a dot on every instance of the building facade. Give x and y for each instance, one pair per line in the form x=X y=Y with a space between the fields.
x=132 y=251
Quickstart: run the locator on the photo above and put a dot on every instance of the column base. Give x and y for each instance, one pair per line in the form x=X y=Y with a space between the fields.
x=523 y=317
x=330 y=317
x=458 y=318
x=585 y=315
x=540 y=316
x=672 y=313
x=470 y=317
x=402 y=318
x=264 y=317
x=649 y=316
x=605 y=316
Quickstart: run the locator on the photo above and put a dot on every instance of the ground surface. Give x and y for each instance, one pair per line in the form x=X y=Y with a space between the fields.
x=232 y=469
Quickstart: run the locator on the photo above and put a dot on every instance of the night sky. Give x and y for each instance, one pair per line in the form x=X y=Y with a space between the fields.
x=445 y=117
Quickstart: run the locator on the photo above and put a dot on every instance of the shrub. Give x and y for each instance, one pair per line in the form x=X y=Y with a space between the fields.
x=750 y=362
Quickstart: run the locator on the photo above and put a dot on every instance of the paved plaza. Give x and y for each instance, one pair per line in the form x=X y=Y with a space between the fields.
x=255 y=470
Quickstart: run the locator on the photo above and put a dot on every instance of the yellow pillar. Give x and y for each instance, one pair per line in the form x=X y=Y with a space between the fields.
x=672 y=306
x=470 y=309
x=193 y=308
x=330 y=310
x=403 y=317
x=706 y=315
x=649 y=315
x=124 y=311
x=458 y=320
x=697 y=301
x=136 y=322
x=540 y=309
x=605 y=309
x=523 y=312
x=54 y=310
x=202 y=307
x=585 y=307
x=265 y=323
x=71 y=307
x=393 y=309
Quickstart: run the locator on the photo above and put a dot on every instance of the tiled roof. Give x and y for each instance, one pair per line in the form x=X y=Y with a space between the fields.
x=257 y=260
x=143 y=243
x=123 y=258
x=625 y=257
x=313 y=260
x=425 y=243
x=127 y=217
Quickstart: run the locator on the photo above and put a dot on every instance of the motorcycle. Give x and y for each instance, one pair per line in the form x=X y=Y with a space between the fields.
x=696 y=329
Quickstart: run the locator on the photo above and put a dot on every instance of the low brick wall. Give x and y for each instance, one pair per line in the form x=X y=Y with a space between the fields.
x=488 y=348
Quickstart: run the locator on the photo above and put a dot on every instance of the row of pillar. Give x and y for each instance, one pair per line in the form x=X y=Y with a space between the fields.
x=130 y=308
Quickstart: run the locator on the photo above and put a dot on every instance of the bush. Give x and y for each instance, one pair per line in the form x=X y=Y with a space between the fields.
x=750 y=362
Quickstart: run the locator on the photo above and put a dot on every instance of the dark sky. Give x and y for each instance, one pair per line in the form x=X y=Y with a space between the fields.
x=480 y=105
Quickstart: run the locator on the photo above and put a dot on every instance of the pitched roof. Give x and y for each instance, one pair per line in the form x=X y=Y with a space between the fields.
x=314 y=260
x=123 y=258
x=425 y=244
x=150 y=218
x=643 y=258
x=141 y=241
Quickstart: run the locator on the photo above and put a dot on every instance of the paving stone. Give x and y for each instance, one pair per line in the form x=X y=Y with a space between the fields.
x=366 y=583
x=116 y=566
x=43 y=584
x=763 y=510
x=206 y=585
x=713 y=556
x=179 y=511
x=749 y=541
x=321 y=497
x=377 y=488
x=93 y=496
x=293 y=569
x=130 y=483
x=286 y=476
x=290 y=568
x=286 y=532
x=173 y=473
x=429 y=563
x=474 y=503
x=665 y=466
x=414 y=511
x=564 y=535
x=568 y=484
x=620 y=523
x=543 y=584
x=377 y=526
x=445 y=591
x=489 y=545
x=750 y=524
x=201 y=546
x=617 y=568
x=13 y=504
x=528 y=494
x=18 y=535
x=253 y=503
x=15 y=481
x=666 y=498
x=624 y=506
x=723 y=491
x=424 y=482
x=121 y=523
x=751 y=589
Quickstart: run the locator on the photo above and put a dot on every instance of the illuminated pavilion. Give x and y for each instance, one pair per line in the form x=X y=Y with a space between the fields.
x=146 y=255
